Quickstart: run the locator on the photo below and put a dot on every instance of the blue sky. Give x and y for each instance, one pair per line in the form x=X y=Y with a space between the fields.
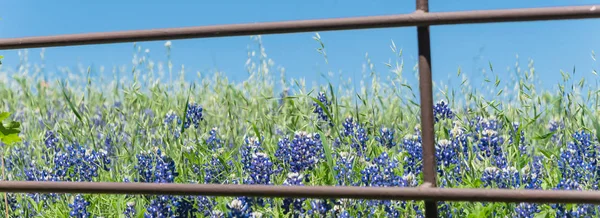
x=553 y=45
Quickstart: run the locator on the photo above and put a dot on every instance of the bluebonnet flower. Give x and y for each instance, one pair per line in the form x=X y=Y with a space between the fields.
x=239 y=208
x=386 y=138
x=448 y=155
x=79 y=207
x=578 y=166
x=109 y=146
x=173 y=123
x=130 y=210
x=380 y=172
x=260 y=169
x=319 y=208
x=184 y=206
x=508 y=177
x=160 y=207
x=155 y=167
x=193 y=115
x=214 y=142
x=33 y=173
x=76 y=163
x=582 y=210
x=205 y=206
x=413 y=149
x=532 y=174
x=555 y=125
x=214 y=171
x=489 y=143
x=344 y=214
x=345 y=163
x=291 y=204
x=13 y=205
x=409 y=180
x=356 y=134
x=251 y=146
x=522 y=144
x=216 y=214
x=442 y=111
x=531 y=178
x=301 y=153
x=321 y=111
x=526 y=210
x=50 y=140
x=579 y=160
x=349 y=126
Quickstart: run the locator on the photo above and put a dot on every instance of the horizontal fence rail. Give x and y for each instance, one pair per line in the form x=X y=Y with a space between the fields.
x=414 y=19
x=347 y=192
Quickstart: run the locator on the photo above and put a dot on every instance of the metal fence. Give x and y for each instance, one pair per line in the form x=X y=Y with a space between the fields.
x=427 y=192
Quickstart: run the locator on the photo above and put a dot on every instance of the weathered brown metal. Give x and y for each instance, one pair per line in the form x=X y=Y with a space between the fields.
x=383 y=193
x=426 y=93
x=413 y=19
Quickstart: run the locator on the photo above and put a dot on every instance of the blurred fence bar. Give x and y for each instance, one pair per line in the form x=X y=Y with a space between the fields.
x=403 y=20
x=381 y=193
x=421 y=18
x=426 y=93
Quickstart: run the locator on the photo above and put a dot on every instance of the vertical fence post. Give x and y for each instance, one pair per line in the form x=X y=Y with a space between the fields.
x=427 y=130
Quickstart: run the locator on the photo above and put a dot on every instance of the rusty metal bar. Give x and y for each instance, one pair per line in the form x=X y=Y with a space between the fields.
x=413 y=19
x=389 y=193
x=426 y=93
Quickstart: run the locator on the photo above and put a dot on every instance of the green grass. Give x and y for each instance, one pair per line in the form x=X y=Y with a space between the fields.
x=252 y=108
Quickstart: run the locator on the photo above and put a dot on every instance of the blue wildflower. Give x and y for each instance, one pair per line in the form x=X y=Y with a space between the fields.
x=290 y=204
x=155 y=167
x=79 y=207
x=320 y=111
x=448 y=155
x=319 y=207
x=344 y=166
x=260 y=169
x=239 y=208
x=356 y=134
x=205 y=206
x=386 y=138
x=184 y=206
x=130 y=210
x=411 y=145
x=301 y=153
x=214 y=142
x=160 y=207
x=173 y=123
x=442 y=111
x=50 y=140
x=193 y=115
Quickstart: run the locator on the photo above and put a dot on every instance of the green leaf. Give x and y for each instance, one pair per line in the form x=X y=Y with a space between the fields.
x=545 y=153
x=326 y=109
x=4 y=115
x=541 y=214
x=256 y=132
x=10 y=139
x=9 y=132
x=71 y=105
x=545 y=136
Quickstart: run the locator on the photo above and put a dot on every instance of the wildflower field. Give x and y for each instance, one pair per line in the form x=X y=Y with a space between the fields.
x=283 y=132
